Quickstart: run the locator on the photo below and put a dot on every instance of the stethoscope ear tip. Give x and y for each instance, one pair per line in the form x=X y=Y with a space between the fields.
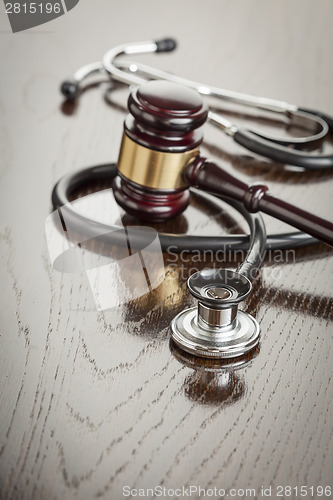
x=69 y=89
x=166 y=45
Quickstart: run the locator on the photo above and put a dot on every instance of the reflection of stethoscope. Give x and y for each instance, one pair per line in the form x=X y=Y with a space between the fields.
x=211 y=382
x=159 y=160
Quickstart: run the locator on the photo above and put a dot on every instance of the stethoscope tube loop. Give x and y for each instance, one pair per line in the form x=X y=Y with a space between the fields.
x=255 y=244
x=179 y=243
x=261 y=145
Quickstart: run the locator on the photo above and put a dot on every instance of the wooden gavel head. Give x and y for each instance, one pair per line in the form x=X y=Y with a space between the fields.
x=161 y=138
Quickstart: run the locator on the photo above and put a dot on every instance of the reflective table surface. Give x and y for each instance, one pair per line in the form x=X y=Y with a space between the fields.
x=101 y=403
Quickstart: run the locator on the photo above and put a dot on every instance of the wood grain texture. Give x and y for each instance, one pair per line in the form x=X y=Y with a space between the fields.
x=93 y=401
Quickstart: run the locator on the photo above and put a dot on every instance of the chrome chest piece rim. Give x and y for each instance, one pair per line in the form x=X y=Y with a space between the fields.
x=216 y=328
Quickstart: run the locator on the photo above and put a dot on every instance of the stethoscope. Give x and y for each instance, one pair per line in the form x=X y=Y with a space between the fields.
x=276 y=149
x=159 y=160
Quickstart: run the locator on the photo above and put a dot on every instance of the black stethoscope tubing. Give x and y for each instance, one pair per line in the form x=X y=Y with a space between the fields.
x=255 y=243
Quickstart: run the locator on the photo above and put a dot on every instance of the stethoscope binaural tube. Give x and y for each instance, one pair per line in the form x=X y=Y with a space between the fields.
x=319 y=122
x=277 y=149
x=70 y=88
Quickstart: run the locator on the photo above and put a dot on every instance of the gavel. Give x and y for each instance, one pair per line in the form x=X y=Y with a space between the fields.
x=160 y=160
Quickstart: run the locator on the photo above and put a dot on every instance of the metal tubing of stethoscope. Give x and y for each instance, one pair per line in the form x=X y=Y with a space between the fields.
x=124 y=73
x=228 y=127
x=135 y=48
x=273 y=148
x=88 y=70
x=263 y=103
x=118 y=71
x=207 y=90
x=277 y=149
x=98 y=67
x=71 y=87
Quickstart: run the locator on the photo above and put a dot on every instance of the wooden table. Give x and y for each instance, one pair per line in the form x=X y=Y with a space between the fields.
x=100 y=404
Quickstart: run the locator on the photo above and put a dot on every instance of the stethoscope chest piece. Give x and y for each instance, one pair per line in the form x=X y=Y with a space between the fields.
x=216 y=328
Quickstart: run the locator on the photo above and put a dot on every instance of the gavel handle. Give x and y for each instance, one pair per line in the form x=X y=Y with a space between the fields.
x=208 y=176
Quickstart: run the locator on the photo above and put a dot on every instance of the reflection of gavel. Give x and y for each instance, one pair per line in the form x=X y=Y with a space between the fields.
x=159 y=160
